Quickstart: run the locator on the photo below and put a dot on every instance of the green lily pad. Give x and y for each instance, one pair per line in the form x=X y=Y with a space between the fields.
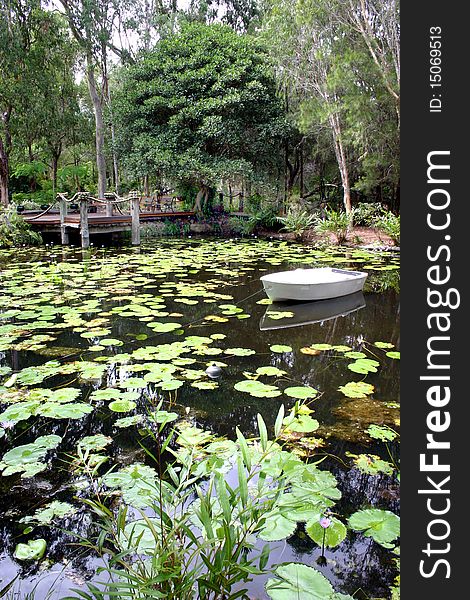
x=280 y=348
x=239 y=351
x=393 y=354
x=270 y=371
x=382 y=432
x=381 y=525
x=277 y=527
x=331 y=536
x=356 y=389
x=295 y=580
x=32 y=550
x=122 y=405
x=301 y=392
x=257 y=389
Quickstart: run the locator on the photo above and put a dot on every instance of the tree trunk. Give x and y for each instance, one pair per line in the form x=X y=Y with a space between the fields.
x=342 y=162
x=99 y=130
x=197 y=205
x=55 y=166
x=4 y=201
x=146 y=186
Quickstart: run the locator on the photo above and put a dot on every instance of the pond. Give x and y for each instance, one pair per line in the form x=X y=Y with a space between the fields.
x=76 y=323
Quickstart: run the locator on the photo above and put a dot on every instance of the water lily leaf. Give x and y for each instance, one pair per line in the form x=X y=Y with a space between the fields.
x=310 y=351
x=301 y=392
x=334 y=534
x=295 y=580
x=32 y=550
x=356 y=389
x=382 y=432
x=270 y=371
x=27 y=459
x=75 y=410
x=280 y=348
x=159 y=327
x=134 y=382
x=95 y=442
x=137 y=483
x=163 y=417
x=193 y=436
x=205 y=385
x=122 y=405
x=384 y=345
x=371 y=464
x=393 y=354
x=355 y=355
x=381 y=525
x=257 y=389
x=276 y=527
x=364 y=366
x=46 y=515
x=170 y=384
x=322 y=347
x=129 y=421
x=107 y=394
x=239 y=351
x=300 y=424
x=111 y=342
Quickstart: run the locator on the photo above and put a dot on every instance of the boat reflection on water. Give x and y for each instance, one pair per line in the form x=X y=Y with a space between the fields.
x=305 y=313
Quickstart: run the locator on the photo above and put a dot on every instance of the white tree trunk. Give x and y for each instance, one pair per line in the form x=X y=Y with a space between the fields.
x=342 y=162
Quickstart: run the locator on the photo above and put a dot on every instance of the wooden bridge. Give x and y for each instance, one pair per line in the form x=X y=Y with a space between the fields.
x=93 y=216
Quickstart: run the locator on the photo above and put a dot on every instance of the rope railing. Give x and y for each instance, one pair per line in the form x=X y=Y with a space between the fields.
x=50 y=207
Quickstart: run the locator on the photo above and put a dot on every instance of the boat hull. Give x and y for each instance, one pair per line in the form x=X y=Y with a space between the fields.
x=307 y=285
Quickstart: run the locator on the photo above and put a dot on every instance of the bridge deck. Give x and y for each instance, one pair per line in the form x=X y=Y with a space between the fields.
x=97 y=220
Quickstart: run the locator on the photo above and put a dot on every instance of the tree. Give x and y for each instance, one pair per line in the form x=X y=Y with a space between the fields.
x=29 y=48
x=200 y=108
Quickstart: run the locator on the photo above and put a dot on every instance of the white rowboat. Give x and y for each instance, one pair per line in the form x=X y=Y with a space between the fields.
x=312 y=284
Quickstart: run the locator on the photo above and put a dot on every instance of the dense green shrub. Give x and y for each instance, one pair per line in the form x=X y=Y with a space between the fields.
x=365 y=213
x=297 y=221
x=336 y=222
x=389 y=224
x=14 y=231
x=241 y=226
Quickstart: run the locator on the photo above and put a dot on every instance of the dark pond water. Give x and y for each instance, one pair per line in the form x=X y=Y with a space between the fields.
x=99 y=310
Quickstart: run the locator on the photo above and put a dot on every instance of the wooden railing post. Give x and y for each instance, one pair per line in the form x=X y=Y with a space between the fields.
x=134 y=198
x=84 y=231
x=64 y=235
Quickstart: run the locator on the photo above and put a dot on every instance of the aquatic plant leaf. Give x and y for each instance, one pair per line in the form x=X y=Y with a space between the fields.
x=382 y=526
x=355 y=354
x=364 y=366
x=107 y=394
x=393 y=354
x=276 y=527
x=384 y=345
x=45 y=516
x=32 y=550
x=300 y=424
x=301 y=392
x=296 y=580
x=163 y=417
x=371 y=464
x=257 y=389
x=270 y=371
x=310 y=351
x=239 y=351
x=95 y=442
x=27 y=459
x=75 y=410
x=122 y=405
x=129 y=421
x=170 y=384
x=334 y=533
x=280 y=348
x=111 y=342
x=137 y=483
x=382 y=432
x=134 y=382
x=322 y=347
x=356 y=389
x=205 y=385
x=141 y=537
x=160 y=327
x=276 y=315
x=193 y=436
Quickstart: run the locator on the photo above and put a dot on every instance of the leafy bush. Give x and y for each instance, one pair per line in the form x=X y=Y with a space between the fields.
x=365 y=213
x=264 y=217
x=389 y=224
x=337 y=223
x=198 y=532
x=14 y=231
x=297 y=221
x=241 y=226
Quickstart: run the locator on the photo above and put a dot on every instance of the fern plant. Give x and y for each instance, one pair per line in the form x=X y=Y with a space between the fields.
x=336 y=222
x=297 y=221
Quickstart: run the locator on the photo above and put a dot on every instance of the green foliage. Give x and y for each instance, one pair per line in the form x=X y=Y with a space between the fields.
x=297 y=221
x=202 y=105
x=389 y=224
x=336 y=222
x=14 y=231
x=366 y=213
x=241 y=226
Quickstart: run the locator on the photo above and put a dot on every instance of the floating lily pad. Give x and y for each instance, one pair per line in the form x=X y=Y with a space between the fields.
x=270 y=371
x=280 y=348
x=32 y=550
x=356 y=389
x=331 y=536
x=239 y=351
x=381 y=525
x=257 y=389
x=295 y=580
x=301 y=392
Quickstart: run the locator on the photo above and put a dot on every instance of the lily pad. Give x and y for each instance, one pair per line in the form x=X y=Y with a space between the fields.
x=301 y=392
x=257 y=389
x=280 y=348
x=32 y=550
x=122 y=405
x=331 y=536
x=356 y=389
x=382 y=526
x=295 y=580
